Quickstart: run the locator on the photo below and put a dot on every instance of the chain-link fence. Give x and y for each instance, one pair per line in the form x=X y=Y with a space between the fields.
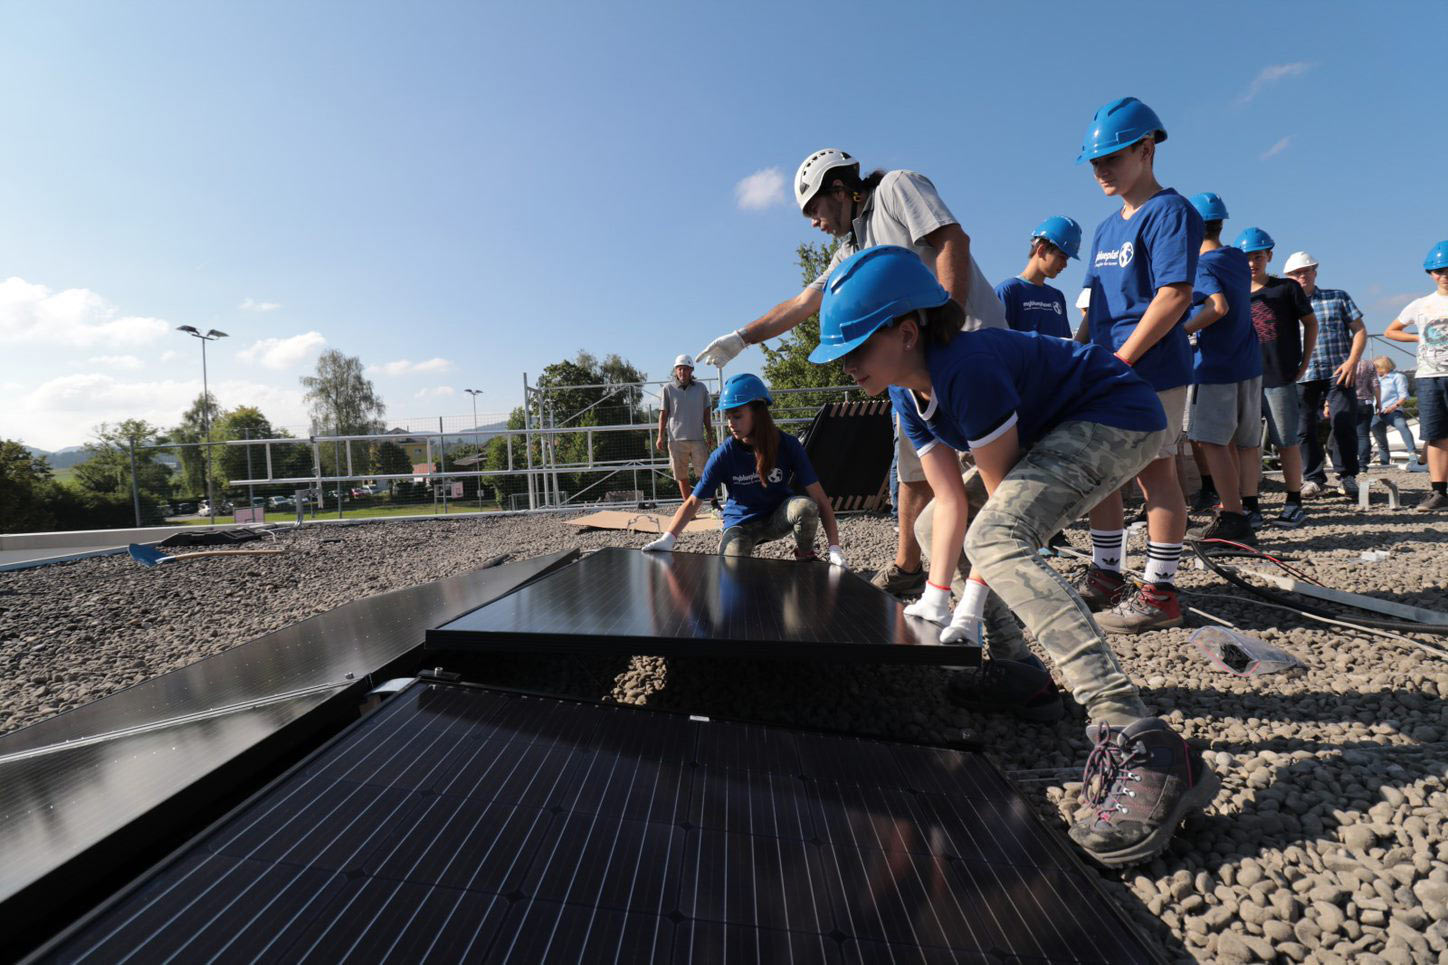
x=567 y=446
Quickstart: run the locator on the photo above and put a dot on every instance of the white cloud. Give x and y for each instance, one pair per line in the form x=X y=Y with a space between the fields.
x=760 y=190
x=252 y=305
x=1271 y=75
x=115 y=361
x=436 y=392
x=1277 y=148
x=76 y=317
x=169 y=355
x=283 y=353
x=65 y=410
x=409 y=367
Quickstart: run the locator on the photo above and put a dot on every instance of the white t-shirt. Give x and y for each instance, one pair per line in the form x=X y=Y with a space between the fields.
x=1083 y=300
x=1430 y=315
x=902 y=210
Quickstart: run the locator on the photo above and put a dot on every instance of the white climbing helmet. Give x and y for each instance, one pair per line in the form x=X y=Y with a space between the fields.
x=811 y=176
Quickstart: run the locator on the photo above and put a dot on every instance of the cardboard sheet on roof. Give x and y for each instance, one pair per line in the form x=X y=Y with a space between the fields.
x=642 y=522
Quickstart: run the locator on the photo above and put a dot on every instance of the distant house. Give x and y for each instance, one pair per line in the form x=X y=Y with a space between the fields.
x=415 y=446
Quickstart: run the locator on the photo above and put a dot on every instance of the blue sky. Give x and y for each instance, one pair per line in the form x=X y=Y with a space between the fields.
x=459 y=193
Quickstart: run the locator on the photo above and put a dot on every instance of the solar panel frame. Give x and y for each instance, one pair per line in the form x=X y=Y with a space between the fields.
x=431 y=916
x=623 y=602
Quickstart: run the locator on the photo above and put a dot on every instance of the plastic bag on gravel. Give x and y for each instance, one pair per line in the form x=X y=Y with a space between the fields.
x=1241 y=655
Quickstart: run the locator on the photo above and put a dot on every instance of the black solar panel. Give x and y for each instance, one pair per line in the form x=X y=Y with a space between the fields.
x=850 y=445
x=91 y=788
x=622 y=601
x=463 y=824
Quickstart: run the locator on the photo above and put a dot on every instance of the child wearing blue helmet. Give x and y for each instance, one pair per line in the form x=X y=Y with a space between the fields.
x=1054 y=426
x=1140 y=272
x=756 y=464
x=1429 y=315
x=1032 y=305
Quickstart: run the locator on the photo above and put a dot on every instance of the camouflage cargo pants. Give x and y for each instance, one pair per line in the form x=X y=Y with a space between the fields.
x=797 y=514
x=1003 y=637
x=1064 y=474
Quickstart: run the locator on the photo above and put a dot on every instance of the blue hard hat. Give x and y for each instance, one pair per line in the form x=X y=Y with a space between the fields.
x=1210 y=206
x=1118 y=125
x=1254 y=239
x=866 y=291
x=1437 y=258
x=1062 y=232
x=743 y=389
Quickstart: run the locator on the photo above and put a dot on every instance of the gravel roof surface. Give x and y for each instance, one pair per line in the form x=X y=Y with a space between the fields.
x=1328 y=840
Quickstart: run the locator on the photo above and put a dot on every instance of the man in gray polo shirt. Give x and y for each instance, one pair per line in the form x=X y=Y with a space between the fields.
x=883 y=208
x=684 y=429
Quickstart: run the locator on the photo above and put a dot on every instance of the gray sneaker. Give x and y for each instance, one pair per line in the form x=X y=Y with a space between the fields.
x=1434 y=502
x=892 y=579
x=1141 y=781
x=1311 y=490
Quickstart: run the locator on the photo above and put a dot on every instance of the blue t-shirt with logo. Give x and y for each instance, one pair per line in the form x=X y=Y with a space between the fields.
x=984 y=382
x=1227 y=350
x=732 y=464
x=1034 y=308
x=1131 y=258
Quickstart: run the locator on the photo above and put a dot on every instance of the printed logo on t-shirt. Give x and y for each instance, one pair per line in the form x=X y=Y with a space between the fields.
x=1264 y=321
x=1434 y=351
x=776 y=475
x=1034 y=306
x=1116 y=257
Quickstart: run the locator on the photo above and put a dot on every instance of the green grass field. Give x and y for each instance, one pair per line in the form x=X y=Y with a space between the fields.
x=355 y=512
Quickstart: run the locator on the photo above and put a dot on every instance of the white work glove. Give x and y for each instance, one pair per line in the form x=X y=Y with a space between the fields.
x=664 y=544
x=964 y=626
x=933 y=605
x=721 y=351
x=837 y=557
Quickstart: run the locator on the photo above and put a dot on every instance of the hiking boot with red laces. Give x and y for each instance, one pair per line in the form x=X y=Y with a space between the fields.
x=1141 y=781
x=1102 y=589
x=1154 y=607
x=1023 y=688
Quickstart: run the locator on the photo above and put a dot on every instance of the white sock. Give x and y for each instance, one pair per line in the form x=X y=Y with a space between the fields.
x=1106 y=547
x=1161 y=561
x=973 y=603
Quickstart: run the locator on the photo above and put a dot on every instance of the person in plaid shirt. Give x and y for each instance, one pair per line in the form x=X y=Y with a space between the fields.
x=1331 y=376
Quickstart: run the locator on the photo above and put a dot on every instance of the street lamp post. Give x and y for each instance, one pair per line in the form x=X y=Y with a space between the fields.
x=210 y=336
x=477 y=447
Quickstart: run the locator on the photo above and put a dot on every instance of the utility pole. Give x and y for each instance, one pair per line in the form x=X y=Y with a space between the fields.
x=477 y=446
x=210 y=336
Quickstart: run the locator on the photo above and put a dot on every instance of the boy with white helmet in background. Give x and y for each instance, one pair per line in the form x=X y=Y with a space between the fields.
x=684 y=429
x=1142 y=266
x=1286 y=332
x=897 y=208
x=1429 y=315
x=1226 y=395
x=1032 y=305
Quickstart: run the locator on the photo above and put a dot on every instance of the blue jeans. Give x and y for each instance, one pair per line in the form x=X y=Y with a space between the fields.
x=1398 y=420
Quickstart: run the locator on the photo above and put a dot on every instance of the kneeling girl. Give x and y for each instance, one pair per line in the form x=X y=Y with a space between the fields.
x=755 y=464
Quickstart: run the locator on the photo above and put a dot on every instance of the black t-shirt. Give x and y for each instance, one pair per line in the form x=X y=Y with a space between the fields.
x=1276 y=308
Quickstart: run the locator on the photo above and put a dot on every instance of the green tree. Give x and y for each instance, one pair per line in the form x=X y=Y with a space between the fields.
x=788 y=366
x=189 y=435
x=241 y=462
x=343 y=401
x=27 y=491
x=587 y=391
x=391 y=460
x=107 y=468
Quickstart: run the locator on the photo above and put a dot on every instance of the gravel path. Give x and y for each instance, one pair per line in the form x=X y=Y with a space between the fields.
x=1327 y=843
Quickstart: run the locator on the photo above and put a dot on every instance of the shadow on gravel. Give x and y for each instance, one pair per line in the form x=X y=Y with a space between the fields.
x=1316 y=789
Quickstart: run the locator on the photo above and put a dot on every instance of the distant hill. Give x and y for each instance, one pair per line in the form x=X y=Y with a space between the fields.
x=72 y=456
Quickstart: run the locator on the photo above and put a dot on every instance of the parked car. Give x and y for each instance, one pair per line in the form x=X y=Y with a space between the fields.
x=280 y=502
x=223 y=508
x=357 y=492
x=185 y=509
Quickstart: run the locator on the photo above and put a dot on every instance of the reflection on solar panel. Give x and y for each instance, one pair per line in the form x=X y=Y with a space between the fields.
x=621 y=601
x=464 y=824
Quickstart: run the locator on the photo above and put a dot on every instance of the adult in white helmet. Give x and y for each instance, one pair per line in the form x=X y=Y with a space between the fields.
x=882 y=208
x=685 y=432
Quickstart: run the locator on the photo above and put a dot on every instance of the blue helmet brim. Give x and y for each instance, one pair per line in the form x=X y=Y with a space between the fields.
x=824 y=353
